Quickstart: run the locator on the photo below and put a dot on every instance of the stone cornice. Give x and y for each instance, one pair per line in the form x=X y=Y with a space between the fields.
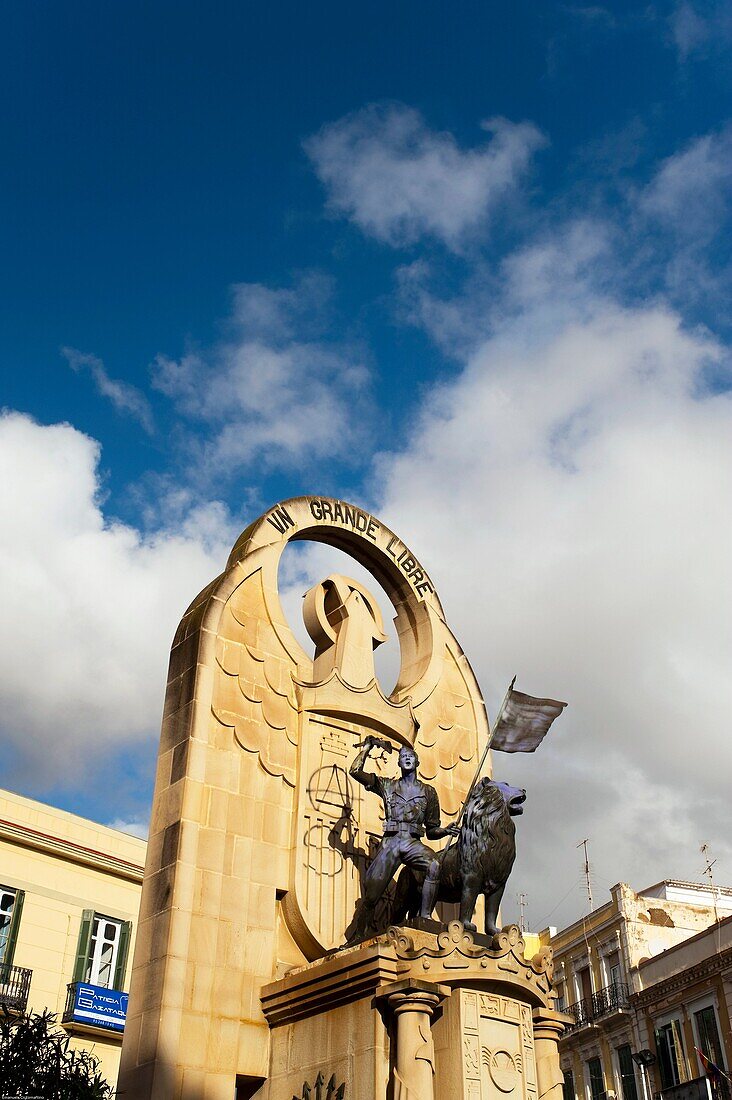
x=336 y=980
x=697 y=972
x=67 y=849
x=422 y=950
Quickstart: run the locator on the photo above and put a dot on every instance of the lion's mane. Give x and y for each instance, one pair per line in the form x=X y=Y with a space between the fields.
x=487 y=841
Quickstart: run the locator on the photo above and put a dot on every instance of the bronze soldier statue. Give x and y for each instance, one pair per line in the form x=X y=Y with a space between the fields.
x=412 y=810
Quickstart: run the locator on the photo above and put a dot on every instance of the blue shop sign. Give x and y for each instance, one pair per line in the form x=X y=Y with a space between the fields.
x=99 y=1007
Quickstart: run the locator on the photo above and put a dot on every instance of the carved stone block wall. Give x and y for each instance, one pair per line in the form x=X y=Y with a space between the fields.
x=350 y=1041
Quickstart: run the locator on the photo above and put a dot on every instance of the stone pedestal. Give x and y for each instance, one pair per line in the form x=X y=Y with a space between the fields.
x=417 y=1015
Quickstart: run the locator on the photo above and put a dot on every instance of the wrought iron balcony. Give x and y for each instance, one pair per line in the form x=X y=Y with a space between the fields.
x=613 y=998
x=14 y=987
x=582 y=1012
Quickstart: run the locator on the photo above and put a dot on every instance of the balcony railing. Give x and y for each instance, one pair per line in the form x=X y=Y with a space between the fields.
x=613 y=998
x=582 y=1012
x=14 y=987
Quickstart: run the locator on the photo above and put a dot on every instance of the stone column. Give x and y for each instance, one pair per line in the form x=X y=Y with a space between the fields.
x=412 y=1004
x=548 y=1028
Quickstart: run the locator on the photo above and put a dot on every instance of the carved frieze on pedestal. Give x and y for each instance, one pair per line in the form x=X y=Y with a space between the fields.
x=486 y=1048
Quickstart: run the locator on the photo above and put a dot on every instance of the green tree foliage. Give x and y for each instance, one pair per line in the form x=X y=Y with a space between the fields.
x=36 y=1061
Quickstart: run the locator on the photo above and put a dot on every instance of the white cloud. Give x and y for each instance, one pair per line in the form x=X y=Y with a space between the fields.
x=90 y=605
x=697 y=29
x=400 y=181
x=689 y=30
x=544 y=280
x=567 y=492
x=679 y=224
x=135 y=827
x=125 y=397
x=274 y=389
x=690 y=192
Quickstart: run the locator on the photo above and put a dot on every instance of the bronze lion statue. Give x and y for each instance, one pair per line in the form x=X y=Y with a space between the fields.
x=479 y=862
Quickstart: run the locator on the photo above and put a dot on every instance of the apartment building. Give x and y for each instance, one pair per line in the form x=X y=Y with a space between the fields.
x=610 y=969
x=69 y=896
x=683 y=1004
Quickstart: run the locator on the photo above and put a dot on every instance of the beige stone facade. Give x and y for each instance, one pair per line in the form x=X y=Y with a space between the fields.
x=55 y=868
x=603 y=963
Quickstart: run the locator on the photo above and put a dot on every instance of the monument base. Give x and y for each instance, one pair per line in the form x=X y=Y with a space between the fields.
x=419 y=1013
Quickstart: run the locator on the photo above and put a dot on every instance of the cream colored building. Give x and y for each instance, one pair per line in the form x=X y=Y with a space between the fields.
x=607 y=966
x=683 y=1003
x=69 y=897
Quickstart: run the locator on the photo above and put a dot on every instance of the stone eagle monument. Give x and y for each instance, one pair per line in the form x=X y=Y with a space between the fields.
x=266 y=829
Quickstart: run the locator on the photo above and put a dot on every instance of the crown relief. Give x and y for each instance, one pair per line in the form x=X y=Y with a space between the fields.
x=457 y=949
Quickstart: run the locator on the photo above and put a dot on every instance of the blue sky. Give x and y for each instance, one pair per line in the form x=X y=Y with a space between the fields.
x=467 y=265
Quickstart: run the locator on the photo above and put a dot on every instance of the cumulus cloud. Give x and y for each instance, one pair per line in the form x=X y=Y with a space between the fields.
x=519 y=286
x=399 y=181
x=90 y=605
x=690 y=193
x=581 y=467
x=126 y=398
x=679 y=224
x=274 y=389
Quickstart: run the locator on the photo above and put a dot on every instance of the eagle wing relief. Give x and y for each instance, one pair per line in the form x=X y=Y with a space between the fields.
x=452 y=730
x=255 y=693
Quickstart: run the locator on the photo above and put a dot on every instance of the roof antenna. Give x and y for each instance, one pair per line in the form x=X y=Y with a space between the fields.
x=583 y=844
x=708 y=872
x=522 y=905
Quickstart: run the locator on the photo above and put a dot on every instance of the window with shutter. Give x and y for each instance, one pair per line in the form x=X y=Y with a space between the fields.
x=11 y=907
x=614 y=973
x=708 y=1034
x=670 y=1051
x=101 y=955
x=626 y=1066
x=82 y=947
x=122 y=953
x=597 y=1082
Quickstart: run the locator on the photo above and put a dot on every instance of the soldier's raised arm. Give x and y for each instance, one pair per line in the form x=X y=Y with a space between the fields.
x=356 y=770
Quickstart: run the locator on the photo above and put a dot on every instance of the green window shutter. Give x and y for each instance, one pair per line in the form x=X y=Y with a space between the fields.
x=82 y=949
x=125 y=933
x=14 y=926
